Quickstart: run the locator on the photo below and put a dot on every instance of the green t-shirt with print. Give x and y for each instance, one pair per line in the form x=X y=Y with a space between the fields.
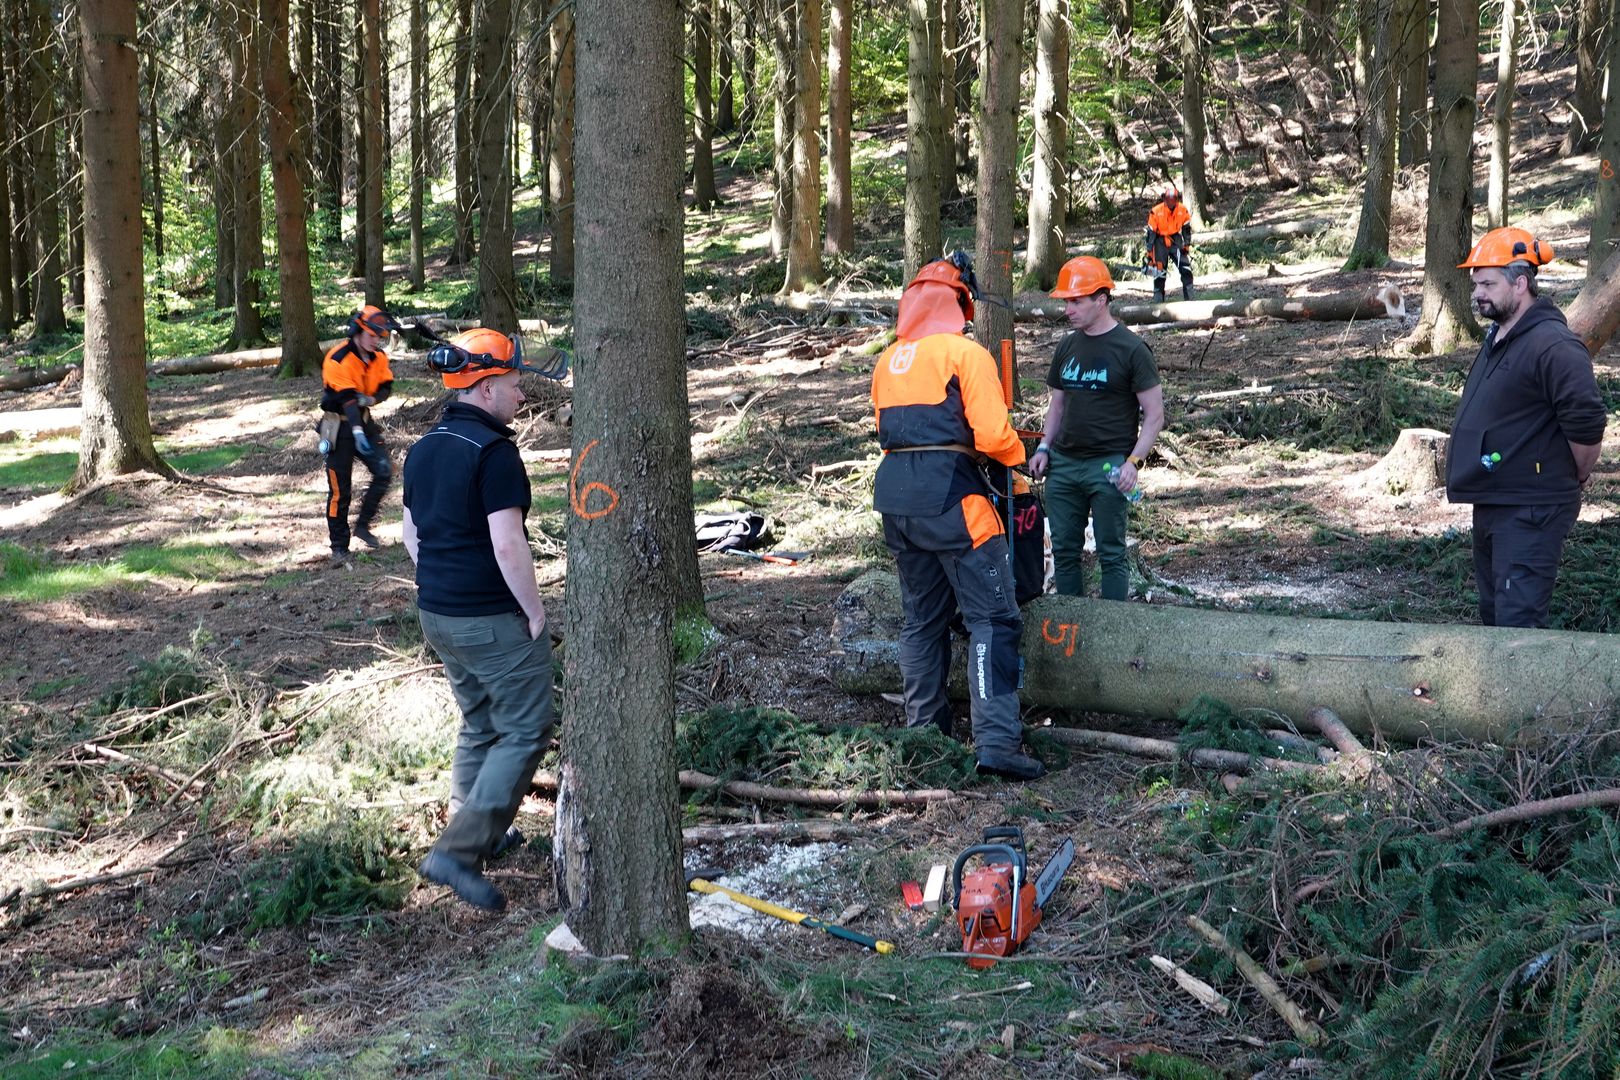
x=1100 y=378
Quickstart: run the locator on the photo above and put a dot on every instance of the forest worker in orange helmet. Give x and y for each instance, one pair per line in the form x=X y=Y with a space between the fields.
x=1168 y=239
x=940 y=412
x=466 y=495
x=355 y=376
x=1527 y=434
x=1103 y=381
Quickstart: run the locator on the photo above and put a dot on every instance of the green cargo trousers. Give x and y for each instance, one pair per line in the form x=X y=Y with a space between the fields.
x=1077 y=488
x=501 y=679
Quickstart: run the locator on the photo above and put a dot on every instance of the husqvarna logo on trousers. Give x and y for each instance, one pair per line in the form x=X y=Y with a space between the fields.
x=981 y=655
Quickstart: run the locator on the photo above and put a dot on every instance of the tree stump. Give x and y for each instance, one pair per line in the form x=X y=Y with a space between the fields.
x=1415 y=464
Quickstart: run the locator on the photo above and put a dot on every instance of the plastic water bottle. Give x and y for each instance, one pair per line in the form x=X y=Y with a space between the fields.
x=1132 y=496
x=1490 y=461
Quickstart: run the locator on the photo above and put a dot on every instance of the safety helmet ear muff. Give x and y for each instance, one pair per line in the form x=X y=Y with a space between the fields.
x=374 y=319
x=955 y=270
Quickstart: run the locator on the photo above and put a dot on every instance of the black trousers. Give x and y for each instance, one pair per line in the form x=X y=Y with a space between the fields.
x=1167 y=254
x=339 y=482
x=1516 y=553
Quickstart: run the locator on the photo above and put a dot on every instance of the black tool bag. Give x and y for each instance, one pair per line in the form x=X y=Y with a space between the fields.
x=1028 y=544
x=743 y=529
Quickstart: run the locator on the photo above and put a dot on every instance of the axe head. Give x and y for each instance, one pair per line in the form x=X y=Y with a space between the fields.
x=708 y=873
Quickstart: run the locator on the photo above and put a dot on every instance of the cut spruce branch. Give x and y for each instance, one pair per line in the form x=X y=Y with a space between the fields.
x=1164 y=750
x=1355 y=756
x=1201 y=992
x=1306 y=1031
x=1395 y=681
x=1529 y=811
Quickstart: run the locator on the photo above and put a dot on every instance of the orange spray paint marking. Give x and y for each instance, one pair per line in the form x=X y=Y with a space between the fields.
x=580 y=498
x=1606 y=171
x=1068 y=633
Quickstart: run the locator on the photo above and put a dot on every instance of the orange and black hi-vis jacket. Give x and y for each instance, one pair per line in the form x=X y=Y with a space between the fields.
x=347 y=375
x=1171 y=223
x=935 y=388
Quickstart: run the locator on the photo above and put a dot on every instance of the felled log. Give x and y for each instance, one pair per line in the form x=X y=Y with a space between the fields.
x=1405 y=681
x=1250 y=233
x=1595 y=314
x=206 y=364
x=1384 y=302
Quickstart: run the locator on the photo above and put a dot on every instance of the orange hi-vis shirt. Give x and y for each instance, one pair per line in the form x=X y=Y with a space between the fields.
x=343 y=369
x=940 y=390
x=1166 y=222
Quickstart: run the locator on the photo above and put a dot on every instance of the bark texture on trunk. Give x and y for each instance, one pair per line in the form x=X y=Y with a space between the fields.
x=1606 y=202
x=617 y=849
x=329 y=118
x=247 y=327
x=998 y=157
x=155 y=152
x=115 y=434
x=44 y=123
x=1412 y=58
x=419 y=100
x=804 y=237
x=783 y=46
x=1507 y=66
x=1595 y=314
x=725 y=102
x=1448 y=319
x=1371 y=247
x=561 y=164
x=1194 y=177
x=1048 y=196
x=925 y=154
x=950 y=36
x=1406 y=681
x=840 y=113
x=300 y=352
x=461 y=246
x=703 y=193
x=371 y=147
x=492 y=126
x=1592 y=28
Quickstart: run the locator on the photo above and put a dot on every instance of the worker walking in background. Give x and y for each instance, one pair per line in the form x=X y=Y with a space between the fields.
x=356 y=376
x=940 y=412
x=1106 y=408
x=1167 y=241
x=1527 y=434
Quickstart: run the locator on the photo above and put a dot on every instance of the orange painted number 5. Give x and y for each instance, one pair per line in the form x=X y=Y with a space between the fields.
x=580 y=497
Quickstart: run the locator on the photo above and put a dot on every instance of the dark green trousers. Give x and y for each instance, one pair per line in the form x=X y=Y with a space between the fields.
x=1077 y=489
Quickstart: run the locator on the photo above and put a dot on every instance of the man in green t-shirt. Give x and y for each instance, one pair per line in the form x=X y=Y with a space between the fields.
x=1103 y=380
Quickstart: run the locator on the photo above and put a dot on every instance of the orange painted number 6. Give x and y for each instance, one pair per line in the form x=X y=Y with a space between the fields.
x=580 y=497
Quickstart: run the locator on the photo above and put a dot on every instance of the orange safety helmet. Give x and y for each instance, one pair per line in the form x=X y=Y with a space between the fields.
x=955 y=271
x=473 y=355
x=373 y=318
x=1081 y=276
x=1503 y=247
x=1171 y=191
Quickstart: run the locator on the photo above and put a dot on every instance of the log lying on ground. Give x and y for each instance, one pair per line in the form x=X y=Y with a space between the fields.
x=1405 y=681
x=1595 y=314
x=1250 y=233
x=180 y=365
x=1384 y=302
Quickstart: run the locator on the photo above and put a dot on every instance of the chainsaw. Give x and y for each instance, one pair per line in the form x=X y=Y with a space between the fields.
x=997 y=906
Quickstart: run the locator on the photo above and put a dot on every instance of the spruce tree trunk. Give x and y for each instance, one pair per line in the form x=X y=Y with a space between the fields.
x=925 y=152
x=44 y=123
x=1595 y=314
x=1413 y=62
x=1316 y=30
x=1606 y=202
x=1507 y=61
x=1592 y=29
x=115 y=431
x=804 y=239
x=73 y=172
x=300 y=348
x=725 y=108
x=703 y=194
x=539 y=88
x=247 y=328
x=950 y=36
x=492 y=114
x=783 y=44
x=329 y=118
x=748 y=63
x=1048 y=198
x=562 y=147
x=1448 y=319
x=371 y=156
x=1194 y=179
x=153 y=71
x=1371 y=246
x=1406 y=681
x=461 y=246
x=998 y=158
x=419 y=173
x=840 y=115
x=224 y=176
x=617 y=844
x=13 y=42
x=361 y=137
x=8 y=310
x=963 y=127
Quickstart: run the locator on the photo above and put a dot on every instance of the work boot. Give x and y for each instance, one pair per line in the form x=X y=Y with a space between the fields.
x=362 y=533
x=340 y=558
x=1186 y=294
x=1158 y=290
x=509 y=841
x=1013 y=766
x=466 y=882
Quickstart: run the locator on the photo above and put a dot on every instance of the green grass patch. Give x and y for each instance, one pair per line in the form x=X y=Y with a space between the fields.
x=46 y=470
x=33 y=577
x=211 y=459
x=201 y=1054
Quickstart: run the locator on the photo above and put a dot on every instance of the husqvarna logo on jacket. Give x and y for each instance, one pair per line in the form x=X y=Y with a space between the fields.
x=901 y=359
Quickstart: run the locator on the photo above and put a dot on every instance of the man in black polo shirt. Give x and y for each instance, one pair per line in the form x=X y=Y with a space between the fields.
x=466 y=495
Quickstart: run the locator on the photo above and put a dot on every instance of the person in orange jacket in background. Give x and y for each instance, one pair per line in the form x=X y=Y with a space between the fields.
x=356 y=376
x=940 y=412
x=1168 y=239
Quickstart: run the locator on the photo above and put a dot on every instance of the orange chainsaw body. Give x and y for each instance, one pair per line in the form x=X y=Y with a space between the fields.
x=990 y=916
